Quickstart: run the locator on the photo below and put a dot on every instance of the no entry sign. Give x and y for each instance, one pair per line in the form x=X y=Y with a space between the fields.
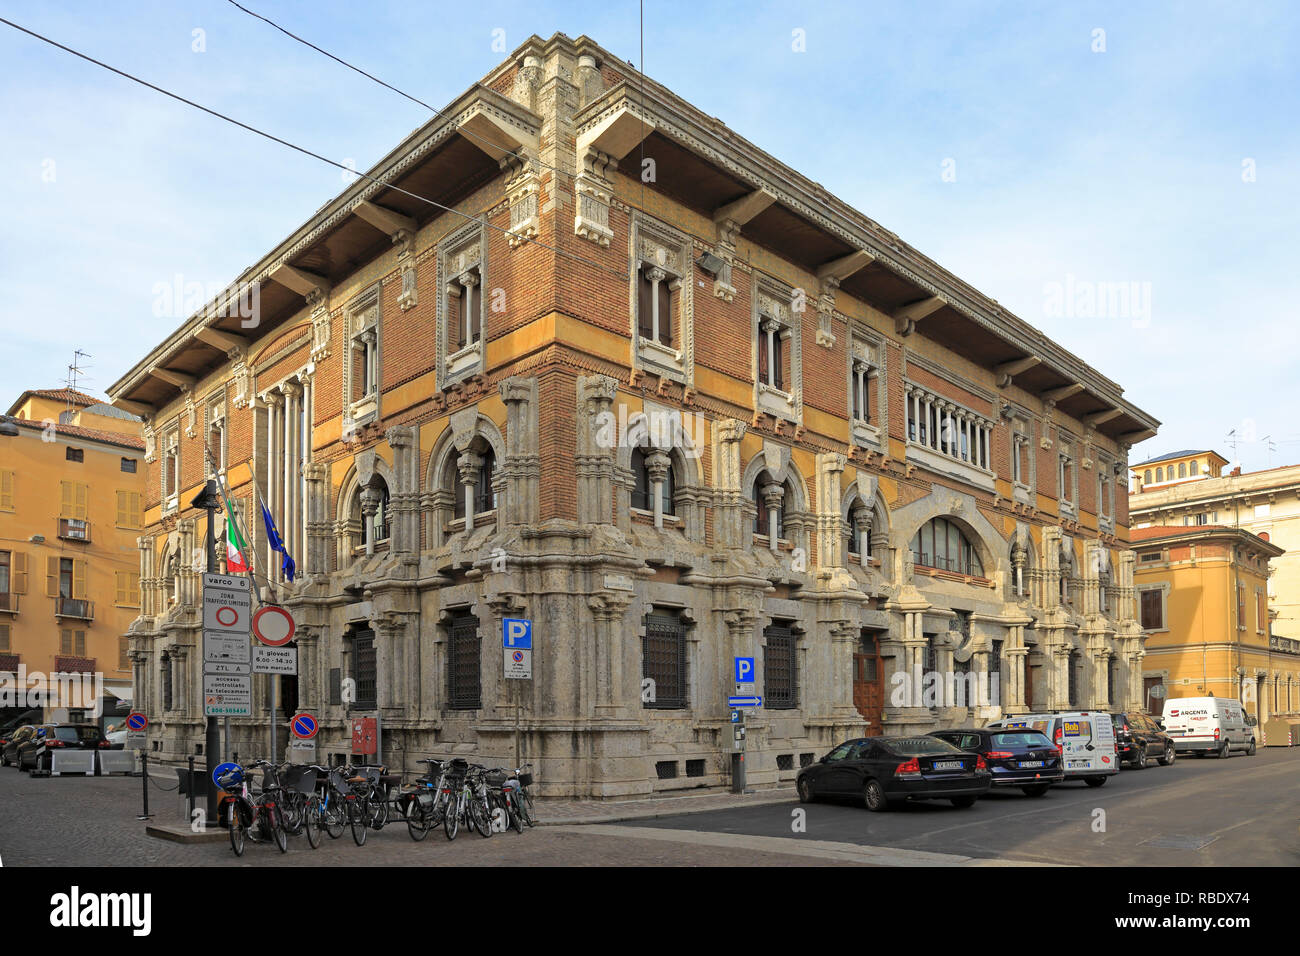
x=304 y=726
x=273 y=625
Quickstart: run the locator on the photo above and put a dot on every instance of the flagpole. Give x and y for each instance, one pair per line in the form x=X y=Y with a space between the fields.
x=274 y=678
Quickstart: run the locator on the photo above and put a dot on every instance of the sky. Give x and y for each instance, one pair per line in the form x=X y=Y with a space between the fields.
x=1125 y=177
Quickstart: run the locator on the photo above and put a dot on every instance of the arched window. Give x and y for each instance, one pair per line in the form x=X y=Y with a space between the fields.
x=1146 y=477
x=485 y=498
x=760 y=519
x=643 y=484
x=1160 y=474
x=1193 y=468
x=941 y=544
x=373 y=528
x=1182 y=469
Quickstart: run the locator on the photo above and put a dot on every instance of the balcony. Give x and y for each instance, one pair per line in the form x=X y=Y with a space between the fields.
x=71 y=529
x=72 y=664
x=71 y=607
x=8 y=602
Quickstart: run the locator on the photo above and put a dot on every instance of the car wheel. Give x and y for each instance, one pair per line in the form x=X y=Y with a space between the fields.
x=1140 y=761
x=1095 y=781
x=1222 y=751
x=873 y=795
x=1250 y=751
x=1170 y=756
x=963 y=803
x=806 y=794
x=1037 y=790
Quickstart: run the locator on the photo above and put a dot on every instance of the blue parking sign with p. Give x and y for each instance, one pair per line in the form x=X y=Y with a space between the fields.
x=517 y=633
x=744 y=670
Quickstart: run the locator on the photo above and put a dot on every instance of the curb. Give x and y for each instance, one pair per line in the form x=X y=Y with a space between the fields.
x=766 y=799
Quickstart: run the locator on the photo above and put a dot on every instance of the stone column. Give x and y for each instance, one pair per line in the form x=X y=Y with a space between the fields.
x=521 y=469
x=370 y=502
x=319 y=526
x=657 y=464
x=468 y=465
x=727 y=522
x=404 y=498
x=597 y=448
x=611 y=689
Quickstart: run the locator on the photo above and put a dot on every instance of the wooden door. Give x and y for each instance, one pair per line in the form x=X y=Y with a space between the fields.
x=868 y=682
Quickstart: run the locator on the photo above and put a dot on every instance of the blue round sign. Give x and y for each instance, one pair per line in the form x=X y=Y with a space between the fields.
x=137 y=721
x=304 y=726
x=221 y=769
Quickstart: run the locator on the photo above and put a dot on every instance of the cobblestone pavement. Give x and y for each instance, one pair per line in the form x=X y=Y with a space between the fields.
x=91 y=821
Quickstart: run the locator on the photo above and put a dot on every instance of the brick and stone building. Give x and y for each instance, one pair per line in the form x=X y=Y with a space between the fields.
x=578 y=353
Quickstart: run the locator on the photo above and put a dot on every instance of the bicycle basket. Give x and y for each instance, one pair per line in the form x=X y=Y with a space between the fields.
x=525 y=779
x=496 y=779
x=300 y=778
x=339 y=782
x=459 y=764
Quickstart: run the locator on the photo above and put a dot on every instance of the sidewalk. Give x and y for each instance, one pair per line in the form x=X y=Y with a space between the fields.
x=563 y=812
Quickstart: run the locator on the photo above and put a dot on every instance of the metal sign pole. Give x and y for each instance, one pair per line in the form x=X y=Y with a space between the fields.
x=208 y=501
x=275 y=680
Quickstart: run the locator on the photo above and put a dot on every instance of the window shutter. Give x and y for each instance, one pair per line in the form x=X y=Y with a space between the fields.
x=476 y=314
x=18 y=572
x=120 y=577
x=778 y=361
x=6 y=489
x=123 y=509
x=78 y=580
x=65 y=641
x=455 y=319
x=4 y=637
x=79 y=647
x=51 y=577
x=67 y=499
x=80 y=503
x=665 y=314
x=762 y=355
x=644 y=318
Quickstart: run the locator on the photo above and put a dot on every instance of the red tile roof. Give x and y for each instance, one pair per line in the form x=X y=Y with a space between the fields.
x=90 y=434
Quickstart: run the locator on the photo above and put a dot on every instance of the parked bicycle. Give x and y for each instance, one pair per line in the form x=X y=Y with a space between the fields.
x=253 y=815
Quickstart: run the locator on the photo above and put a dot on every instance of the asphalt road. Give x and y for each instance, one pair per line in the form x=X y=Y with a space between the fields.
x=1242 y=811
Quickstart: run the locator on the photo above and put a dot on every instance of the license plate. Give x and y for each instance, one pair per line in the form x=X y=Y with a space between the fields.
x=947 y=765
x=1031 y=763
x=1076 y=764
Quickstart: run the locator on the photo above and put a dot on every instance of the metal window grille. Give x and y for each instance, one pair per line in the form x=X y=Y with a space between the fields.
x=1074 y=680
x=167 y=682
x=364 y=670
x=780 y=685
x=695 y=768
x=663 y=660
x=666 y=769
x=785 y=761
x=464 y=691
x=806 y=760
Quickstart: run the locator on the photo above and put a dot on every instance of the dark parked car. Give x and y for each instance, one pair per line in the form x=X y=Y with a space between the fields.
x=10 y=742
x=1139 y=738
x=33 y=751
x=1015 y=758
x=886 y=771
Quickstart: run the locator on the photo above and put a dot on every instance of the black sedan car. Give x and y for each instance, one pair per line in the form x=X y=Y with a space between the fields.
x=1138 y=739
x=886 y=771
x=33 y=752
x=10 y=743
x=1015 y=758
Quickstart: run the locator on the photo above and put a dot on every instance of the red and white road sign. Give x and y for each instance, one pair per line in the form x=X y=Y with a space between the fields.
x=273 y=625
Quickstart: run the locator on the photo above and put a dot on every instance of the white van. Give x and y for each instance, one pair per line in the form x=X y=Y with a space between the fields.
x=1208 y=725
x=1086 y=739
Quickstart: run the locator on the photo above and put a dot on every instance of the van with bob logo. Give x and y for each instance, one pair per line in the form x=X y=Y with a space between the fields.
x=1208 y=725
x=1086 y=740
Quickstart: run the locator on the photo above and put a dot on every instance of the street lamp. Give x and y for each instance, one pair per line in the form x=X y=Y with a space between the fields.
x=8 y=427
x=209 y=501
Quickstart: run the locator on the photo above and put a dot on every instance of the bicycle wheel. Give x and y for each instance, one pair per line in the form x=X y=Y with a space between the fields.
x=512 y=808
x=334 y=819
x=480 y=816
x=378 y=809
x=357 y=820
x=311 y=822
x=451 y=819
x=236 y=829
x=277 y=829
x=417 y=822
x=526 y=805
x=292 y=813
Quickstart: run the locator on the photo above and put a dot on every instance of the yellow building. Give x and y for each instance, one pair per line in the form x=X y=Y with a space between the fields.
x=71 y=483
x=1202 y=596
x=1175 y=468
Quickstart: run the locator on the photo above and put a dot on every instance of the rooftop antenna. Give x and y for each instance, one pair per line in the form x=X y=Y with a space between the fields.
x=75 y=371
x=1271 y=446
x=1232 y=441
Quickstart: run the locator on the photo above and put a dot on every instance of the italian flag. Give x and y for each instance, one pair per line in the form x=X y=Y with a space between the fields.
x=235 y=546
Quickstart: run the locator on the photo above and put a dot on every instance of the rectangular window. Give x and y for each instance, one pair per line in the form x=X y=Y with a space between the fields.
x=170 y=470
x=128 y=466
x=1073 y=679
x=1152 y=609
x=129 y=510
x=5 y=563
x=663 y=660
x=6 y=490
x=128 y=588
x=1241 y=606
x=74 y=454
x=72 y=500
x=1261 y=611
x=780 y=668
x=365 y=670
x=463 y=663
x=656 y=302
x=72 y=642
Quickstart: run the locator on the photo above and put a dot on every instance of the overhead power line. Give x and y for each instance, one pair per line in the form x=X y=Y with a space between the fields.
x=307 y=152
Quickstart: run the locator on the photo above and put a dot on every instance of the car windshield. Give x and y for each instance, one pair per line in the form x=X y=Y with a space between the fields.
x=1022 y=738
x=920 y=746
x=74 y=734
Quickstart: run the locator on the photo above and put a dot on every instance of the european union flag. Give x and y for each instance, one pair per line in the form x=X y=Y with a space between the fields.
x=277 y=543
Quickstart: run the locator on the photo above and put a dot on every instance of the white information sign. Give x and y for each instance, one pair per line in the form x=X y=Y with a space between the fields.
x=275 y=660
x=226 y=647
x=226 y=695
x=227 y=603
x=519 y=663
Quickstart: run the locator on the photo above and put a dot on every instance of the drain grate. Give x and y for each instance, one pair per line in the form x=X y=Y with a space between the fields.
x=1179 y=842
